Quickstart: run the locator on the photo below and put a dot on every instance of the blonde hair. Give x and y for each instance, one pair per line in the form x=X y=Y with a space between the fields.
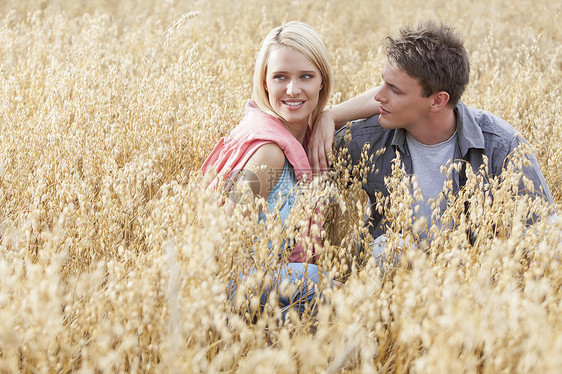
x=303 y=38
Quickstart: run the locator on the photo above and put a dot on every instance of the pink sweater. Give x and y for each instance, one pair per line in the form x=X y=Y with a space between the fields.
x=256 y=129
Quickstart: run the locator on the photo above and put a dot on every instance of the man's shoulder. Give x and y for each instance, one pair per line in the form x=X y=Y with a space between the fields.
x=491 y=125
x=498 y=136
x=363 y=131
x=367 y=126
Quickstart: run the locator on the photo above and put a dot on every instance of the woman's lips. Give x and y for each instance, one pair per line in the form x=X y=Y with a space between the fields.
x=293 y=105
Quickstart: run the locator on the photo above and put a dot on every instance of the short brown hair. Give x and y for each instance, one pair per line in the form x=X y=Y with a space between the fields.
x=433 y=54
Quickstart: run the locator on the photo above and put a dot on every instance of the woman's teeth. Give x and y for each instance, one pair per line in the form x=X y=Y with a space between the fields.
x=293 y=103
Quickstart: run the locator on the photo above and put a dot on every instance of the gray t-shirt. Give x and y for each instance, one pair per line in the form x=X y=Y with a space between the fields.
x=427 y=161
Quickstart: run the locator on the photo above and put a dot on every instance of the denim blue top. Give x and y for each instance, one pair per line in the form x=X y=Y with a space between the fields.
x=283 y=193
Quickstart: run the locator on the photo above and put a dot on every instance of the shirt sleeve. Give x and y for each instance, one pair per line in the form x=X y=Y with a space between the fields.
x=525 y=160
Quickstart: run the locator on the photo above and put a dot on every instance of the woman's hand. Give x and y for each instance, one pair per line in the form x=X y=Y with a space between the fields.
x=320 y=144
x=332 y=119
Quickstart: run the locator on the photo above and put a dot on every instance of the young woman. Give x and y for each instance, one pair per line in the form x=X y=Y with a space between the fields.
x=292 y=82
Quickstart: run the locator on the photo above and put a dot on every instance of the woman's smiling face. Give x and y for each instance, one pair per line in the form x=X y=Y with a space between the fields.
x=293 y=84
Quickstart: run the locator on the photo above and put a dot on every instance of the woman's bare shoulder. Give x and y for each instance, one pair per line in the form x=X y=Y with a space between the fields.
x=269 y=155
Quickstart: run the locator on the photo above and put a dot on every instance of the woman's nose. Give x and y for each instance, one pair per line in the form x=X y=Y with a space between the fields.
x=293 y=88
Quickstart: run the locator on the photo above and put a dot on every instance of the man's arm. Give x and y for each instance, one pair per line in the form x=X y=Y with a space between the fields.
x=332 y=119
x=520 y=148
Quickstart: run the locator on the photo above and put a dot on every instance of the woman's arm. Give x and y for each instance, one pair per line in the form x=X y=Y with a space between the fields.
x=260 y=173
x=332 y=119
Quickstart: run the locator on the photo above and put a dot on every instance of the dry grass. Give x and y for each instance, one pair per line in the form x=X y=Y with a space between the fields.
x=114 y=259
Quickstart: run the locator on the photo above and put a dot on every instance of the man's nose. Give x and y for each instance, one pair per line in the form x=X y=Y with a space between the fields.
x=380 y=96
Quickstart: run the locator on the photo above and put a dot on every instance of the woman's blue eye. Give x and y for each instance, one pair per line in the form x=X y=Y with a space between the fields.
x=279 y=76
x=307 y=76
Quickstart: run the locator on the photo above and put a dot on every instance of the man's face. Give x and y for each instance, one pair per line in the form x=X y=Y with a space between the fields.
x=401 y=102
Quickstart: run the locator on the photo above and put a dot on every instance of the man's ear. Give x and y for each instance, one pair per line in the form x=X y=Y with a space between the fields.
x=440 y=100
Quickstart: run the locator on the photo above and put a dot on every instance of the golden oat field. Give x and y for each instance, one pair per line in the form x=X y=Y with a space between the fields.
x=114 y=258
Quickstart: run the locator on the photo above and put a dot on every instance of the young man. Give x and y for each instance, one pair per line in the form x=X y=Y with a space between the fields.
x=421 y=117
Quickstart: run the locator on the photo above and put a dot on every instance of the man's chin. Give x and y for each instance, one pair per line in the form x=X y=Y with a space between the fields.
x=384 y=124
